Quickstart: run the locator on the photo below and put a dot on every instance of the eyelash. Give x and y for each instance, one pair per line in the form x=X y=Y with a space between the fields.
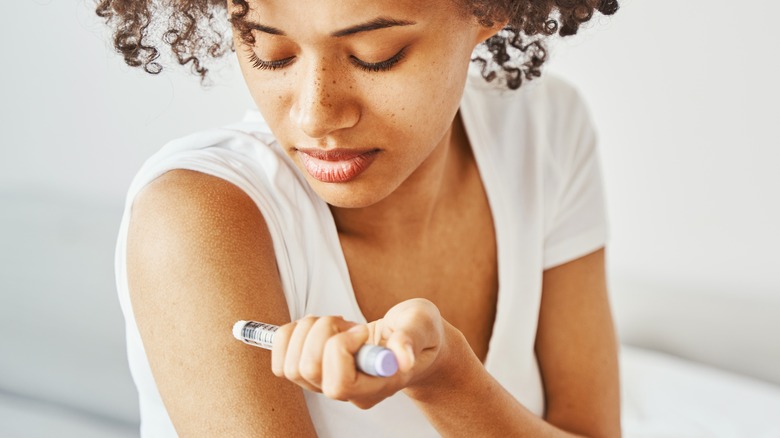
x=268 y=65
x=367 y=66
x=381 y=65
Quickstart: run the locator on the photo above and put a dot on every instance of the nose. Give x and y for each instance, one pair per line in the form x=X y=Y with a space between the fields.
x=324 y=103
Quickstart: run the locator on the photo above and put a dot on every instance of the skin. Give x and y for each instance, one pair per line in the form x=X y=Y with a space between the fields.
x=192 y=234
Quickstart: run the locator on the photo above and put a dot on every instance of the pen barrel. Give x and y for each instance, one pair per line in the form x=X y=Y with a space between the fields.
x=370 y=359
x=258 y=334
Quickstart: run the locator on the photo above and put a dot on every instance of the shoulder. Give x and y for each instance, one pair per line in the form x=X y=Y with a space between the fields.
x=244 y=160
x=546 y=102
x=216 y=150
x=226 y=188
x=546 y=118
x=188 y=194
x=215 y=191
x=187 y=214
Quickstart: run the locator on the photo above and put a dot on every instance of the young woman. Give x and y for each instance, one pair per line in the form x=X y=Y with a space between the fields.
x=380 y=195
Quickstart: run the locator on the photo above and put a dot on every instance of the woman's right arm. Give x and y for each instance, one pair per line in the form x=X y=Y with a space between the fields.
x=200 y=258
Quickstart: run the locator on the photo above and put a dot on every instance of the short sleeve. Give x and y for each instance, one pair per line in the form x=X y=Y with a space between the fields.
x=250 y=163
x=575 y=211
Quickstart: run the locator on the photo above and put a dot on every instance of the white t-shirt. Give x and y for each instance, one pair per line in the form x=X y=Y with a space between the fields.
x=536 y=152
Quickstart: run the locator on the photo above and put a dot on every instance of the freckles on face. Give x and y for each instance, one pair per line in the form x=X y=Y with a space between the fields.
x=338 y=75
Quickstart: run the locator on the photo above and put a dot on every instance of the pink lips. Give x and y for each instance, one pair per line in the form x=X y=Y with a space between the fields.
x=336 y=165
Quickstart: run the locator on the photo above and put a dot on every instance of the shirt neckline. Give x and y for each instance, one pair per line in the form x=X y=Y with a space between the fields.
x=475 y=133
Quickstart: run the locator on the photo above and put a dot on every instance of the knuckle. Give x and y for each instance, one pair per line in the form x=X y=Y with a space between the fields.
x=292 y=373
x=311 y=371
x=277 y=369
x=335 y=391
x=427 y=313
x=426 y=306
x=308 y=320
x=335 y=319
x=284 y=332
x=332 y=346
x=331 y=322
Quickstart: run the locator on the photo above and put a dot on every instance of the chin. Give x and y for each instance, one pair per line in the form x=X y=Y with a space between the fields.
x=349 y=195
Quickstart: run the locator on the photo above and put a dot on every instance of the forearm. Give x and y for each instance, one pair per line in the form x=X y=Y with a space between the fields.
x=468 y=401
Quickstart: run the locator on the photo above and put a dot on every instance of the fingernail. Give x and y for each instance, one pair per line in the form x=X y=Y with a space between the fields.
x=410 y=352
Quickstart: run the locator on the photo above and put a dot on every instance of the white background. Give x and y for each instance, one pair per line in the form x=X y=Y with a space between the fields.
x=684 y=95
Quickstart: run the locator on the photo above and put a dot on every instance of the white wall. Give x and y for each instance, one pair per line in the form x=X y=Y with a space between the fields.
x=75 y=118
x=684 y=95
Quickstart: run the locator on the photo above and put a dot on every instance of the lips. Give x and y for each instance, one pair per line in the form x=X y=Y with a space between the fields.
x=336 y=165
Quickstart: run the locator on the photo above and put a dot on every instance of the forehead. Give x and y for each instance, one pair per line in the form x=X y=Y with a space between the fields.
x=326 y=16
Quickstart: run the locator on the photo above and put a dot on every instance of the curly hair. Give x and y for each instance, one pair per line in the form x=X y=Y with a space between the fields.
x=198 y=31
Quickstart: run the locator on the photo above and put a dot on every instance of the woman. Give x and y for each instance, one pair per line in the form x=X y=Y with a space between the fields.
x=378 y=196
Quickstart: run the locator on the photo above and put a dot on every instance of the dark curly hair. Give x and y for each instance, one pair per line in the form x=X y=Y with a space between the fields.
x=198 y=31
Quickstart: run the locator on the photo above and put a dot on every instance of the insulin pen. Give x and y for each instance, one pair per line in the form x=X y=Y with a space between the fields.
x=370 y=359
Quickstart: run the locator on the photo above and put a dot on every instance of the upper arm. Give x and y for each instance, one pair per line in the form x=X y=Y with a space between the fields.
x=577 y=348
x=200 y=258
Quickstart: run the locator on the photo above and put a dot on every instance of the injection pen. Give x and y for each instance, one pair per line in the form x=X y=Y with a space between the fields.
x=370 y=359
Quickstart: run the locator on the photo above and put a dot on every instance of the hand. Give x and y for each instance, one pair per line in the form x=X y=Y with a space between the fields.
x=317 y=353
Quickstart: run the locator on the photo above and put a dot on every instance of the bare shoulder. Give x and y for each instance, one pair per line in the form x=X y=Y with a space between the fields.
x=199 y=258
x=183 y=207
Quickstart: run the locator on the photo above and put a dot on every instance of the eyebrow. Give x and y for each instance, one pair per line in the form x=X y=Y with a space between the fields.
x=376 y=23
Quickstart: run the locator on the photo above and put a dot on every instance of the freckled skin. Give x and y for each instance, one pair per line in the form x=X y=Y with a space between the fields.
x=354 y=110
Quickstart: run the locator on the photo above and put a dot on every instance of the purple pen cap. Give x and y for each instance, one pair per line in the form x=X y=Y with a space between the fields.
x=376 y=361
x=385 y=363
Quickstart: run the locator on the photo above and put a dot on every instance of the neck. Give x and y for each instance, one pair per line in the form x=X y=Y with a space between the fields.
x=410 y=212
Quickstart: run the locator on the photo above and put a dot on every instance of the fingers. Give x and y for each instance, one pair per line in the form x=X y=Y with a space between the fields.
x=285 y=356
x=342 y=381
x=311 y=357
x=298 y=349
x=318 y=354
x=339 y=367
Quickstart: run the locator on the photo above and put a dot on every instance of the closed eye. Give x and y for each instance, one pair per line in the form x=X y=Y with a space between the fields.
x=268 y=65
x=381 y=65
x=385 y=65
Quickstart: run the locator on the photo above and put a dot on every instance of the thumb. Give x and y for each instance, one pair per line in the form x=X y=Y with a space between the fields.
x=403 y=347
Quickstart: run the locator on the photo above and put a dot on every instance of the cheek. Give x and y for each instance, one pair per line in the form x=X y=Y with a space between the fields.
x=421 y=104
x=272 y=104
